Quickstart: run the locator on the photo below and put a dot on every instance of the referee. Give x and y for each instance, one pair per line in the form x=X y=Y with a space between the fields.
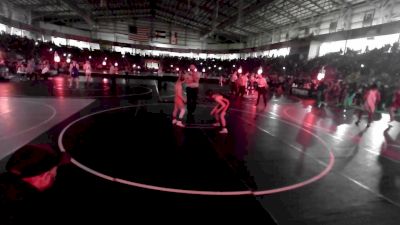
x=192 y=90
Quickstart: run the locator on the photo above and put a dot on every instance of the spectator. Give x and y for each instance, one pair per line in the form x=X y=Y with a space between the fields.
x=88 y=71
x=31 y=171
x=74 y=72
x=192 y=89
x=45 y=70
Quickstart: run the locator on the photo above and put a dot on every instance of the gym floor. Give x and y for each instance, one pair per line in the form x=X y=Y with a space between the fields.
x=289 y=162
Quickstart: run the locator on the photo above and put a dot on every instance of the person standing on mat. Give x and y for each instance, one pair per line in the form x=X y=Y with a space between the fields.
x=243 y=79
x=88 y=71
x=371 y=98
x=321 y=91
x=262 y=87
x=74 y=72
x=30 y=69
x=192 y=90
x=219 y=110
x=45 y=70
x=179 y=103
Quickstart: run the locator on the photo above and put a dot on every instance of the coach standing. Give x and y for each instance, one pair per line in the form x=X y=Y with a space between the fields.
x=192 y=90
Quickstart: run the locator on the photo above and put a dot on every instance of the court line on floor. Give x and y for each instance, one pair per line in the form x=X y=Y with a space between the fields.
x=346 y=176
x=226 y=161
x=197 y=192
x=149 y=91
x=327 y=169
x=160 y=97
x=327 y=131
x=136 y=184
x=67 y=88
x=53 y=114
x=339 y=173
x=191 y=126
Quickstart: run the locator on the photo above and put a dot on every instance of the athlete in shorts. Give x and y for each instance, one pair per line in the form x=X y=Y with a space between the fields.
x=74 y=72
x=371 y=98
x=88 y=71
x=180 y=101
x=219 y=110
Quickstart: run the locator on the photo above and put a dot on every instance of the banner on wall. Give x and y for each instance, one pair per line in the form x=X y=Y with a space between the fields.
x=368 y=18
x=174 y=38
x=160 y=34
x=140 y=34
x=333 y=26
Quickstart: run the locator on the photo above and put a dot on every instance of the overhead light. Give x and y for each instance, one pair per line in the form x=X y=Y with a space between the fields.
x=260 y=71
x=51 y=49
x=240 y=70
x=219 y=68
x=362 y=66
x=320 y=76
x=204 y=70
x=68 y=60
x=177 y=69
x=116 y=64
x=104 y=63
x=90 y=56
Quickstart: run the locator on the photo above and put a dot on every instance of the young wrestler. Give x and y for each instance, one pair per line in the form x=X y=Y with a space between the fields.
x=180 y=101
x=88 y=71
x=371 y=98
x=262 y=90
x=74 y=72
x=219 y=110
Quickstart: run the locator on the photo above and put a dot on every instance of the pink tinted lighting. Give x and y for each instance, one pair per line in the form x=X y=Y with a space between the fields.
x=320 y=76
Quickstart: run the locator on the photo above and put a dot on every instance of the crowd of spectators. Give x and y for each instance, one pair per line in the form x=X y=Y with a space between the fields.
x=378 y=63
x=346 y=70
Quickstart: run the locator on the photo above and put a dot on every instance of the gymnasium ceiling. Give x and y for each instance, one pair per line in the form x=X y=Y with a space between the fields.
x=231 y=19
